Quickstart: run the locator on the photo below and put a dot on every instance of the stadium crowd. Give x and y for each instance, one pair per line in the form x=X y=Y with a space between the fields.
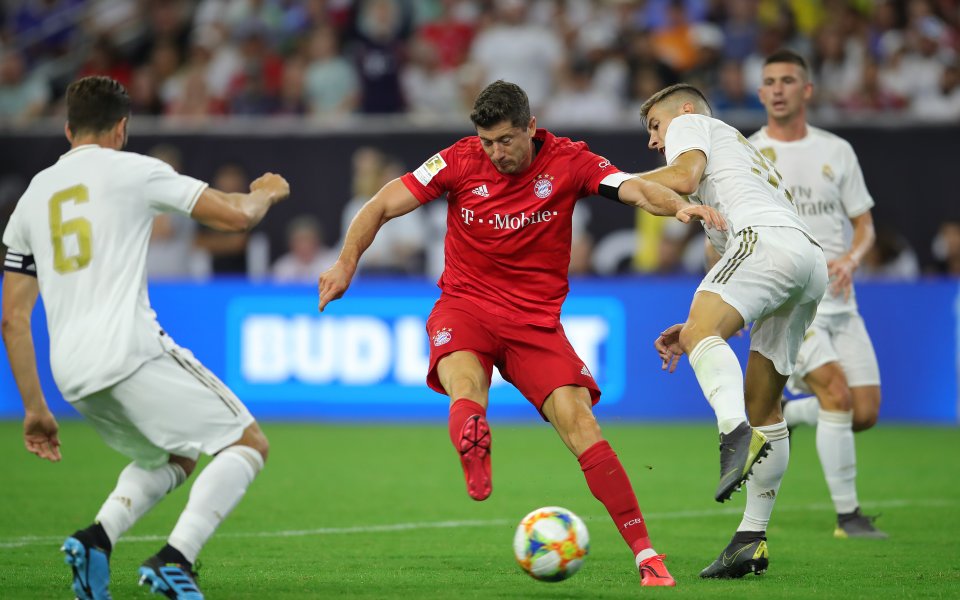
x=581 y=61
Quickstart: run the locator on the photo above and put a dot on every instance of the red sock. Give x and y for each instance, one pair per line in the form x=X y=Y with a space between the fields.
x=460 y=411
x=610 y=485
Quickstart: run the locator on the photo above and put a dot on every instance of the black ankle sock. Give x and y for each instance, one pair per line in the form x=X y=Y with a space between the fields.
x=745 y=537
x=98 y=537
x=169 y=554
x=841 y=517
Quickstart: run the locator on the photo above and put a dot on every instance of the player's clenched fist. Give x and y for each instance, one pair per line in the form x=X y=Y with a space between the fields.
x=275 y=185
x=333 y=283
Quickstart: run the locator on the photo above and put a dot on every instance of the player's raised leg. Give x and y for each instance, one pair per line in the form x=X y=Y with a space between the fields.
x=137 y=491
x=216 y=492
x=747 y=551
x=467 y=382
x=569 y=410
x=703 y=338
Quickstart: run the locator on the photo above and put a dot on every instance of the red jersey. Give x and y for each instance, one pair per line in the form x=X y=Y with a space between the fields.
x=507 y=247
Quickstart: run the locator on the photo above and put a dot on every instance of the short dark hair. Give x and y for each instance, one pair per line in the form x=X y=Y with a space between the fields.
x=501 y=101
x=785 y=55
x=678 y=88
x=95 y=104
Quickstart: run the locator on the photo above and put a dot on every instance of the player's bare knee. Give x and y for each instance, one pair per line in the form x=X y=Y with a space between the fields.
x=187 y=464
x=837 y=397
x=863 y=422
x=253 y=437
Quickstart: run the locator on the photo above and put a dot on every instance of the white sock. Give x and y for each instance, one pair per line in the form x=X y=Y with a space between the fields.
x=764 y=485
x=644 y=555
x=215 y=493
x=718 y=372
x=137 y=491
x=838 y=457
x=802 y=411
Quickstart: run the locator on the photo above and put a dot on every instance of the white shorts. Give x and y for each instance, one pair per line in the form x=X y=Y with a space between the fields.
x=774 y=277
x=170 y=405
x=840 y=338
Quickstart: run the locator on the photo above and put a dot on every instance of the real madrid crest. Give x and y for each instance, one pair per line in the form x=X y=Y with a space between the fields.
x=828 y=172
x=543 y=185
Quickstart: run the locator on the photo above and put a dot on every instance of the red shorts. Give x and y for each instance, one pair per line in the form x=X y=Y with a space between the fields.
x=537 y=360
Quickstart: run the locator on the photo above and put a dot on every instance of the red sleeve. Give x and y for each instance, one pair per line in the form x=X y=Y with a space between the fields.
x=590 y=169
x=433 y=178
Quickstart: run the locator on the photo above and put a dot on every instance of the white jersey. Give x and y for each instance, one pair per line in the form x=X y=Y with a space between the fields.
x=737 y=181
x=85 y=223
x=827 y=185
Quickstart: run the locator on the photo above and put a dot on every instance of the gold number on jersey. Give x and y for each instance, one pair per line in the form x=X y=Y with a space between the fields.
x=78 y=227
x=764 y=169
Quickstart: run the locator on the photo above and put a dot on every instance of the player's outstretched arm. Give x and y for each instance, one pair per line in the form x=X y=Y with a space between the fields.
x=683 y=176
x=240 y=212
x=40 y=429
x=658 y=199
x=393 y=200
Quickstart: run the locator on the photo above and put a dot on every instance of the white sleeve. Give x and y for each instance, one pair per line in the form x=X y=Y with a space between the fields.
x=687 y=132
x=168 y=191
x=854 y=195
x=14 y=237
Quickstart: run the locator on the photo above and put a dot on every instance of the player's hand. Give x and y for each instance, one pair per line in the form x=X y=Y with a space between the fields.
x=40 y=435
x=668 y=347
x=841 y=275
x=275 y=185
x=333 y=283
x=709 y=215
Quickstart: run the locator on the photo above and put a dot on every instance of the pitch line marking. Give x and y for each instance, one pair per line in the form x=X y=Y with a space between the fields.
x=386 y=528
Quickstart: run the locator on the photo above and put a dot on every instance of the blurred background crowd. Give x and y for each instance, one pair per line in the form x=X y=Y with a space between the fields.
x=584 y=63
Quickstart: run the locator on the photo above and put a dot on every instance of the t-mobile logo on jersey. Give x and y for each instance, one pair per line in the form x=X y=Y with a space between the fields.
x=509 y=221
x=520 y=221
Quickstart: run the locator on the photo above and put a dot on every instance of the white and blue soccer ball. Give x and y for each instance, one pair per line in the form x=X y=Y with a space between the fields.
x=551 y=543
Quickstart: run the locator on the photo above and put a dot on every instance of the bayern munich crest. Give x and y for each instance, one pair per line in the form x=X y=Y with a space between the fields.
x=442 y=336
x=543 y=186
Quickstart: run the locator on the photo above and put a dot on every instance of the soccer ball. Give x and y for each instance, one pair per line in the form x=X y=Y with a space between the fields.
x=551 y=543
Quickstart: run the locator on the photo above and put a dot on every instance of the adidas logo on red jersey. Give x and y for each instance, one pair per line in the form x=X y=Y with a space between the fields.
x=481 y=191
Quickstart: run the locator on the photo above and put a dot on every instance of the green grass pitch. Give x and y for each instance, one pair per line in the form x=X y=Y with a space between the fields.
x=359 y=511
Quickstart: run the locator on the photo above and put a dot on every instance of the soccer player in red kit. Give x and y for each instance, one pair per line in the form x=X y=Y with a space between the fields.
x=511 y=190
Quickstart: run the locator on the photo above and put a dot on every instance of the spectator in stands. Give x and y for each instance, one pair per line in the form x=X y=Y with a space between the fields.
x=579 y=102
x=399 y=246
x=171 y=254
x=23 y=96
x=740 y=29
x=431 y=91
x=144 y=92
x=731 y=95
x=513 y=49
x=378 y=51
x=306 y=256
x=292 y=99
x=332 y=87
x=449 y=34
x=943 y=103
x=872 y=95
x=839 y=64
x=105 y=59
x=946 y=248
x=48 y=29
x=228 y=251
x=890 y=257
x=255 y=90
x=674 y=42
